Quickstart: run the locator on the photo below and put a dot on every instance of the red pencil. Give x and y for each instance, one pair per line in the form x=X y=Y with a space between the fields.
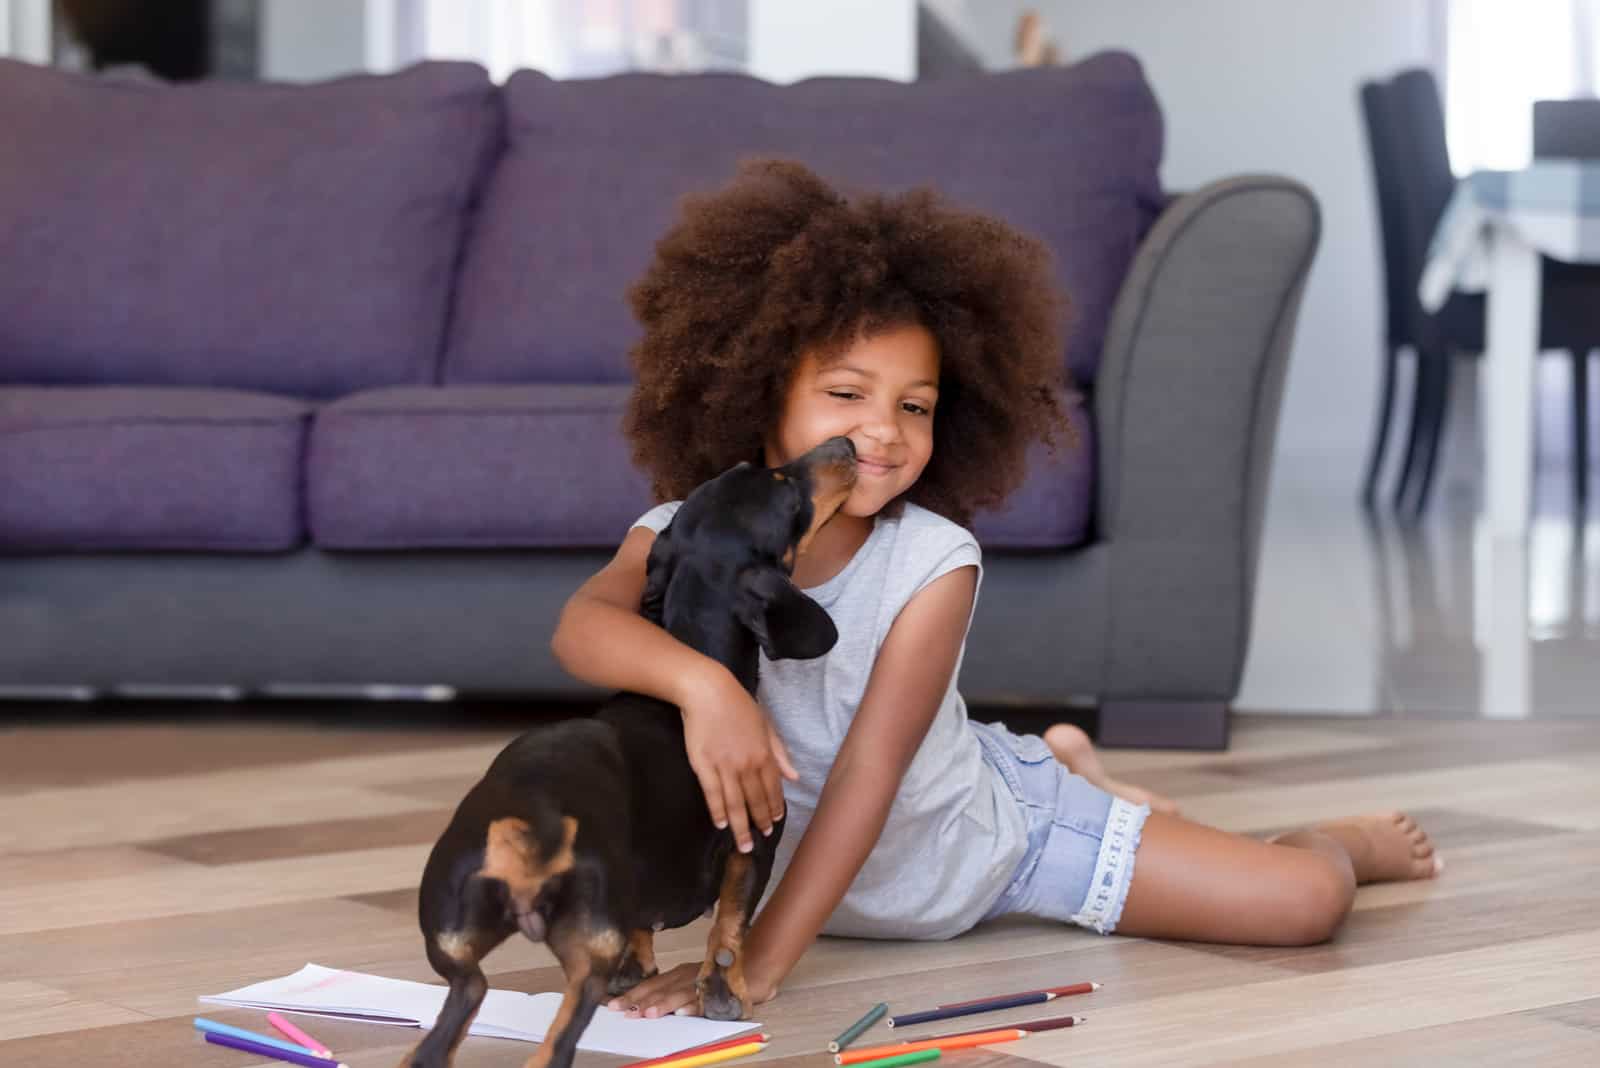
x=1058 y=991
x=695 y=1051
x=1050 y=1023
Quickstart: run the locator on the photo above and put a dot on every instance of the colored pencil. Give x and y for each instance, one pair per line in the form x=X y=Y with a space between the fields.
x=853 y=1032
x=979 y=1038
x=215 y=1028
x=904 y=1058
x=973 y=1008
x=1050 y=1023
x=309 y=1060
x=715 y=1057
x=1058 y=991
x=294 y=1034
x=695 y=1051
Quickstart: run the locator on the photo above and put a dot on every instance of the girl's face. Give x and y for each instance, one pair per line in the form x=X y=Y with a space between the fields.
x=880 y=393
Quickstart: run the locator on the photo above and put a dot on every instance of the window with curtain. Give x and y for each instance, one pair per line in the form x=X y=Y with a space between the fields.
x=1501 y=56
x=584 y=38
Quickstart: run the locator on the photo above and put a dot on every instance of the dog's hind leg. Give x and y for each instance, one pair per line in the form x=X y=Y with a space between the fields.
x=723 y=993
x=589 y=955
x=638 y=963
x=455 y=957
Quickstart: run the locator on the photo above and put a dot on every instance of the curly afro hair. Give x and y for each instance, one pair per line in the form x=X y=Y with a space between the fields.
x=778 y=264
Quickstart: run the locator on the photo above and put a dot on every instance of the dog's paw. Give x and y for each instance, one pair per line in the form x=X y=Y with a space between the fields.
x=717 y=999
x=627 y=977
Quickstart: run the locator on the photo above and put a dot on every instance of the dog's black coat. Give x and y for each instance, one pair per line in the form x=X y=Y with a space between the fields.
x=590 y=834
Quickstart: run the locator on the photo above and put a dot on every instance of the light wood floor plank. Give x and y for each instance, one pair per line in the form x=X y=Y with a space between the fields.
x=143 y=866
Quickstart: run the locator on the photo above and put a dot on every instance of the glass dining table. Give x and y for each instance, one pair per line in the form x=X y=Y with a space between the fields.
x=1489 y=239
x=1494 y=229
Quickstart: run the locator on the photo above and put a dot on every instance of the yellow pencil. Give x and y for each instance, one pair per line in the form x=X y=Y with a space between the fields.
x=715 y=1056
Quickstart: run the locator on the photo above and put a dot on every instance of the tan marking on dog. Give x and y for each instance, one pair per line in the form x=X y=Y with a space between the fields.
x=823 y=507
x=578 y=960
x=778 y=476
x=511 y=855
x=642 y=944
x=607 y=943
x=727 y=930
x=457 y=945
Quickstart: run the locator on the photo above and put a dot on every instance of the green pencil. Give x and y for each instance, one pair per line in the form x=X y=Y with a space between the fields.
x=904 y=1058
x=855 y=1030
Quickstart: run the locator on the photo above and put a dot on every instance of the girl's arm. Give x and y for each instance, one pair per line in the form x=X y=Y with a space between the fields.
x=908 y=682
x=602 y=639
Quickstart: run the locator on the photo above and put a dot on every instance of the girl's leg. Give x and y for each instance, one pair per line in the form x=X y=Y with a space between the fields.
x=1200 y=884
x=1073 y=748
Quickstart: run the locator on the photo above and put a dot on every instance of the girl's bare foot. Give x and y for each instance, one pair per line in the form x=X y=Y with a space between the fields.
x=1385 y=847
x=1074 y=749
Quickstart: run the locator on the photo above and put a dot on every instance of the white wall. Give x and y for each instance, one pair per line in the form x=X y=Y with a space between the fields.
x=308 y=40
x=794 y=39
x=1268 y=85
x=25 y=30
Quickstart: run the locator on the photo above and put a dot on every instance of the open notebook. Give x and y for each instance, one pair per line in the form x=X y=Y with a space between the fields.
x=318 y=991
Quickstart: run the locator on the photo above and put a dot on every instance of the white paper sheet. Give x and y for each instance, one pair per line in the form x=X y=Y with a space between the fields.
x=318 y=991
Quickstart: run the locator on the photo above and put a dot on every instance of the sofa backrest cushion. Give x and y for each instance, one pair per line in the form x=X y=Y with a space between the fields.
x=293 y=238
x=594 y=170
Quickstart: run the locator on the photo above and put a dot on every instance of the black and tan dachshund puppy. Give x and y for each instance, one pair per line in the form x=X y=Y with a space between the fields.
x=591 y=834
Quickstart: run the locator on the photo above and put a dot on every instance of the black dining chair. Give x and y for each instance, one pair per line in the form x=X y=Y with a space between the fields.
x=1570 y=129
x=1566 y=129
x=1411 y=169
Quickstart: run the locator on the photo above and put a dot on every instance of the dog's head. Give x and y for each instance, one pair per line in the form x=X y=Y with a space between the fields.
x=732 y=545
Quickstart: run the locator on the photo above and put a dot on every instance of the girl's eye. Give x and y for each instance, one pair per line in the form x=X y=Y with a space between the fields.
x=915 y=409
x=844 y=394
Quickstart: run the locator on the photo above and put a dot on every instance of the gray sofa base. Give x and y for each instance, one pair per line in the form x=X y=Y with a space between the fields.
x=313 y=623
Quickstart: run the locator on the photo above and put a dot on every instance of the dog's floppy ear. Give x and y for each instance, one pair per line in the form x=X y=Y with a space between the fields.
x=657 y=574
x=788 y=624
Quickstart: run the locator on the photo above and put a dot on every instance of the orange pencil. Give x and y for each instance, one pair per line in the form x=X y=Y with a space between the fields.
x=980 y=1038
x=1049 y=1023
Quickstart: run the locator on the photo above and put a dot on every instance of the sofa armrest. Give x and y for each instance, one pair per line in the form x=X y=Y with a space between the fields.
x=1186 y=405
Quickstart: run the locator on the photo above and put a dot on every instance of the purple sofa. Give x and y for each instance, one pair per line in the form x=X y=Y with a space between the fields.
x=315 y=389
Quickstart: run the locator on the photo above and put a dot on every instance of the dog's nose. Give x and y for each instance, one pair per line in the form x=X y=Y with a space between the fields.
x=840 y=448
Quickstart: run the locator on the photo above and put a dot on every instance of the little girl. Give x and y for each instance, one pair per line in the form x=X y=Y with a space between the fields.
x=777 y=314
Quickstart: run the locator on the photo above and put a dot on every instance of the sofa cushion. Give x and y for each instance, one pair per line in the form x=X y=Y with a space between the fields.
x=294 y=238
x=594 y=170
x=534 y=466
x=104 y=468
x=1054 y=506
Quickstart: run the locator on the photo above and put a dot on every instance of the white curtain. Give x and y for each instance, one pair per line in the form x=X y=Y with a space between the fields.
x=1501 y=56
x=579 y=38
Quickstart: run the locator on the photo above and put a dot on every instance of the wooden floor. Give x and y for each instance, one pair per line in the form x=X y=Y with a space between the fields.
x=143 y=865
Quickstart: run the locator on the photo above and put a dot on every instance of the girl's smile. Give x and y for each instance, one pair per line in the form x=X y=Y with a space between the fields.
x=880 y=392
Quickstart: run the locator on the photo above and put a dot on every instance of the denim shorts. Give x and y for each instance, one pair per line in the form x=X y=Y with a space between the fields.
x=1081 y=840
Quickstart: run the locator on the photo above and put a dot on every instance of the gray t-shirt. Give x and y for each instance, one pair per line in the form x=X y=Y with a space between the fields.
x=954 y=836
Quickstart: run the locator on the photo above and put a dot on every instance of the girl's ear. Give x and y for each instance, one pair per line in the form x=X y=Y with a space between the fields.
x=788 y=624
x=657 y=574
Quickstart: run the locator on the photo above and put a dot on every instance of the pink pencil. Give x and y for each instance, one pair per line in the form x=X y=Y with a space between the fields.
x=294 y=1034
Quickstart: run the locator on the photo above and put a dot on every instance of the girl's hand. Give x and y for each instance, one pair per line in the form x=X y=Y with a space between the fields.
x=735 y=752
x=664 y=994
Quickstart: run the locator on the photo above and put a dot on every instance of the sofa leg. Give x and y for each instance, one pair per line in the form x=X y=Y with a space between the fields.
x=1136 y=724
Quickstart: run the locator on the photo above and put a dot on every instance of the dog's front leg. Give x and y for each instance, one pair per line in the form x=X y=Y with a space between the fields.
x=638 y=963
x=589 y=956
x=723 y=992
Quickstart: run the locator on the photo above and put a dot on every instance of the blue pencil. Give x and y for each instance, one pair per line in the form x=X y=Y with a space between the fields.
x=215 y=1028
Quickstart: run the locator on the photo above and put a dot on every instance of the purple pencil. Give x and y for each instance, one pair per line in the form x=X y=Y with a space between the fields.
x=259 y=1050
